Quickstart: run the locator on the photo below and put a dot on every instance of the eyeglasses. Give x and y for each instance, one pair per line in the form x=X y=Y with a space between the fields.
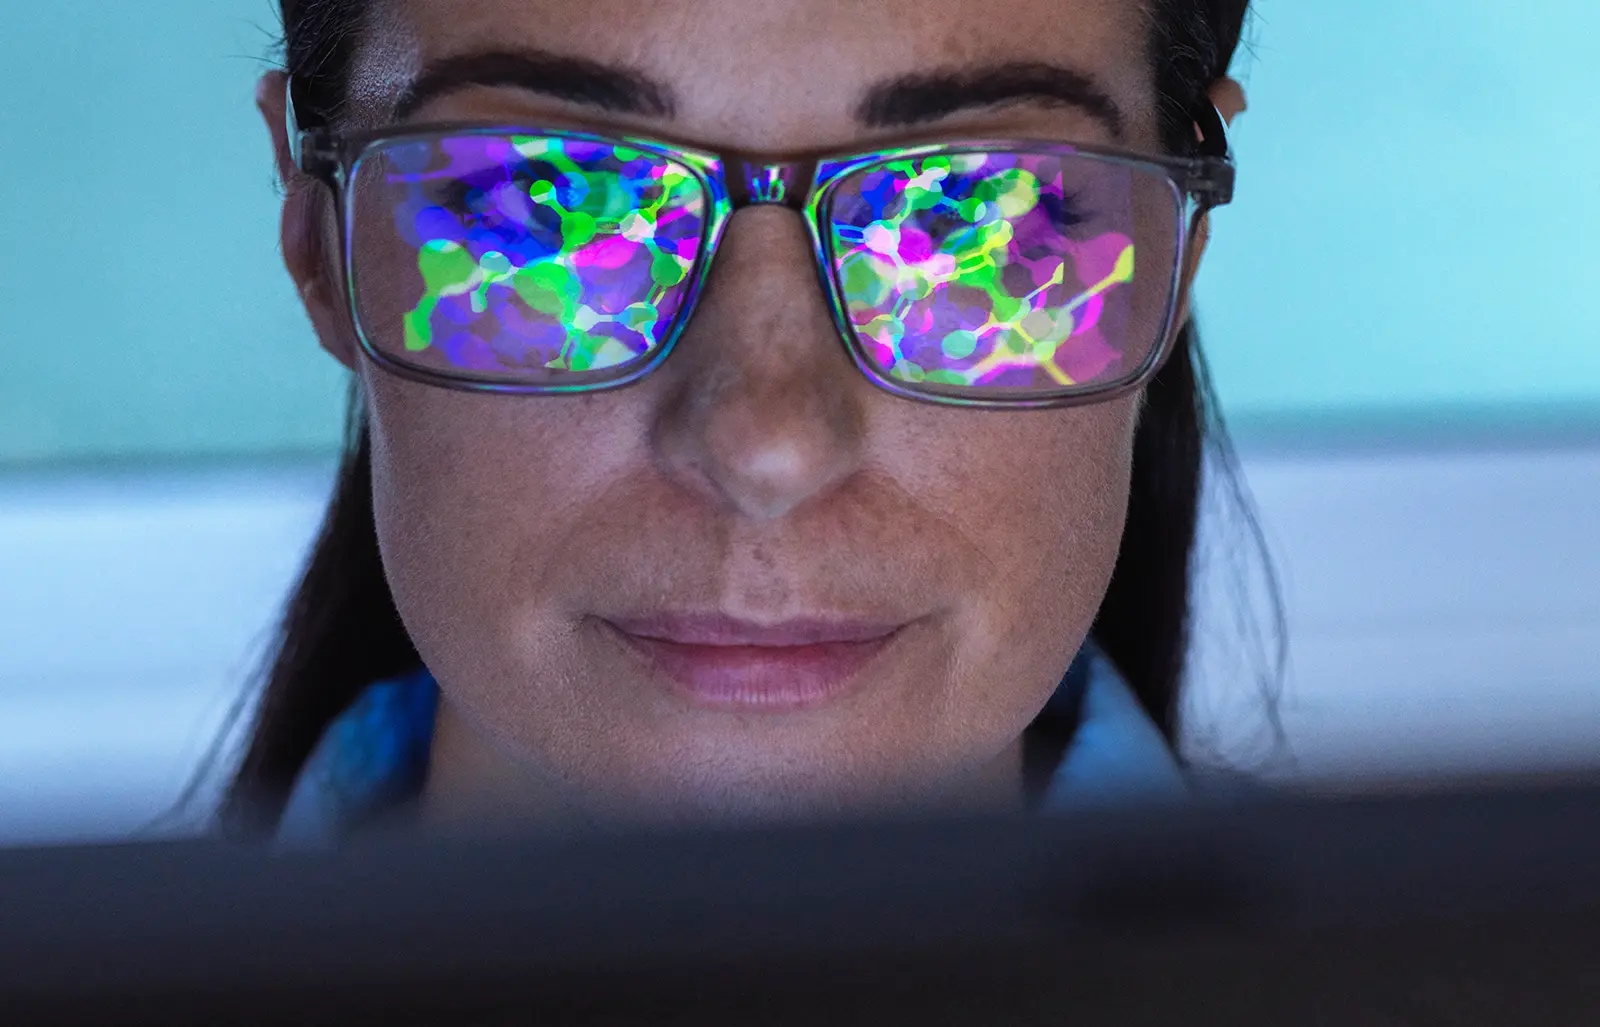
x=989 y=274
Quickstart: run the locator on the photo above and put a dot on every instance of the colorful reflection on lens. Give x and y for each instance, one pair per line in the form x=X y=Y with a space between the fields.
x=536 y=255
x=988 y=270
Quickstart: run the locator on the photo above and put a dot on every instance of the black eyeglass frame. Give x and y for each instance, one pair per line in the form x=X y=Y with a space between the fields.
x=804 y=184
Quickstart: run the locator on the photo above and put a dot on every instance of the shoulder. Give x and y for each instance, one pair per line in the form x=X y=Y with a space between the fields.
x=1117 y=754
x=372 y=758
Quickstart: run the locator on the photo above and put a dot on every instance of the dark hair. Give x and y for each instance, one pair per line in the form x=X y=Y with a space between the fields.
x=341 y=632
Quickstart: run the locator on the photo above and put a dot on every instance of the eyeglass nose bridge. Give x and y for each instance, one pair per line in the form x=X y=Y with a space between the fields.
x=758 y=183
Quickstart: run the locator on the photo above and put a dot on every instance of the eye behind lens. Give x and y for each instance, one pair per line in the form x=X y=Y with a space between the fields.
x=523 y=260
x=1004 y=274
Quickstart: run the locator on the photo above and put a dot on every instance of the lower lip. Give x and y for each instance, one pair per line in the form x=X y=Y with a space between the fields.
x=761 y=677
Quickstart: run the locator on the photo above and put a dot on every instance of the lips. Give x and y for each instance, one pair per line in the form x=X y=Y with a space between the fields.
x=724 y=663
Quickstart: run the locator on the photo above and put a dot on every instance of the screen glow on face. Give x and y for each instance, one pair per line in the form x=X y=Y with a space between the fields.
x=537 y=254
x=985 y=271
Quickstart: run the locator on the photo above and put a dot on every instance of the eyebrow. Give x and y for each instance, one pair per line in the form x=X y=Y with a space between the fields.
x=903 y=102
x=607 y=87
x=925 y=97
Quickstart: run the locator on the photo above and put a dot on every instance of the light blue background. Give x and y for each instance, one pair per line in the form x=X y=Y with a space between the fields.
x=1419 y=220
x=1418 y=228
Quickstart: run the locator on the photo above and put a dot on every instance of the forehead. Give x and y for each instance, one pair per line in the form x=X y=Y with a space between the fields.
x=773 y=75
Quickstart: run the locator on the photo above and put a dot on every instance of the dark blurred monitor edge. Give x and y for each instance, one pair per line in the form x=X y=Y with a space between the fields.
x=1464 y=908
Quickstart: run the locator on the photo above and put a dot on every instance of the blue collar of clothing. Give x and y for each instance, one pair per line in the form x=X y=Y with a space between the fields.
x=374 y=757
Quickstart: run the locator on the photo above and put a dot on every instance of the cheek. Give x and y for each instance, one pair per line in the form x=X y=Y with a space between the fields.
x=478 y=500
x=1042 y=498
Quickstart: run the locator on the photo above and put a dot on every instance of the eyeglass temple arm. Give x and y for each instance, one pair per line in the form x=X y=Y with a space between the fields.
x=311 y=149
x=1212 y=176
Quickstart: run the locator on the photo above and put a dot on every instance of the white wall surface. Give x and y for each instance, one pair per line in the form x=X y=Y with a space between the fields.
x=1444 y=615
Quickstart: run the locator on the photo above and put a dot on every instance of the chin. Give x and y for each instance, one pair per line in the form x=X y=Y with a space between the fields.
x=773 y=793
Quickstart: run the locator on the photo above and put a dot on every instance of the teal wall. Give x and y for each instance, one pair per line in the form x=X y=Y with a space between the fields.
x=1419 y=217
x=1418 y=226
x=145 y=310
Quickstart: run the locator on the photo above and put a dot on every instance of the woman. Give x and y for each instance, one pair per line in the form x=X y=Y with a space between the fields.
x=765 y=407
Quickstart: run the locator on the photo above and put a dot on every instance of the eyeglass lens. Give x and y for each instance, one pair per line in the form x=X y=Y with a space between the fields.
x=536 y=260
x=1006 y=273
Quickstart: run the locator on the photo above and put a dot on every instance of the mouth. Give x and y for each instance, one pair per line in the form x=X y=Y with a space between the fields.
x=723 y=663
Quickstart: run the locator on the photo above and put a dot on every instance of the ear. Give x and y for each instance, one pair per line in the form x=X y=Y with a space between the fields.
x=309 y=232
x=1228 y=97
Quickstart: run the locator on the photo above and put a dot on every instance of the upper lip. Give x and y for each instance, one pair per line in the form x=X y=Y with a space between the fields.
x=721 y=630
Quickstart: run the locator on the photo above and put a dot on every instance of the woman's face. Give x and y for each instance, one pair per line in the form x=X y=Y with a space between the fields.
x=752 y=582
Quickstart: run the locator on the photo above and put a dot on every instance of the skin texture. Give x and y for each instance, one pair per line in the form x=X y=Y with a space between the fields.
x=757 y=474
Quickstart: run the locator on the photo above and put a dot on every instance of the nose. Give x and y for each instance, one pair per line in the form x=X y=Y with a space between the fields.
x=763 y=409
